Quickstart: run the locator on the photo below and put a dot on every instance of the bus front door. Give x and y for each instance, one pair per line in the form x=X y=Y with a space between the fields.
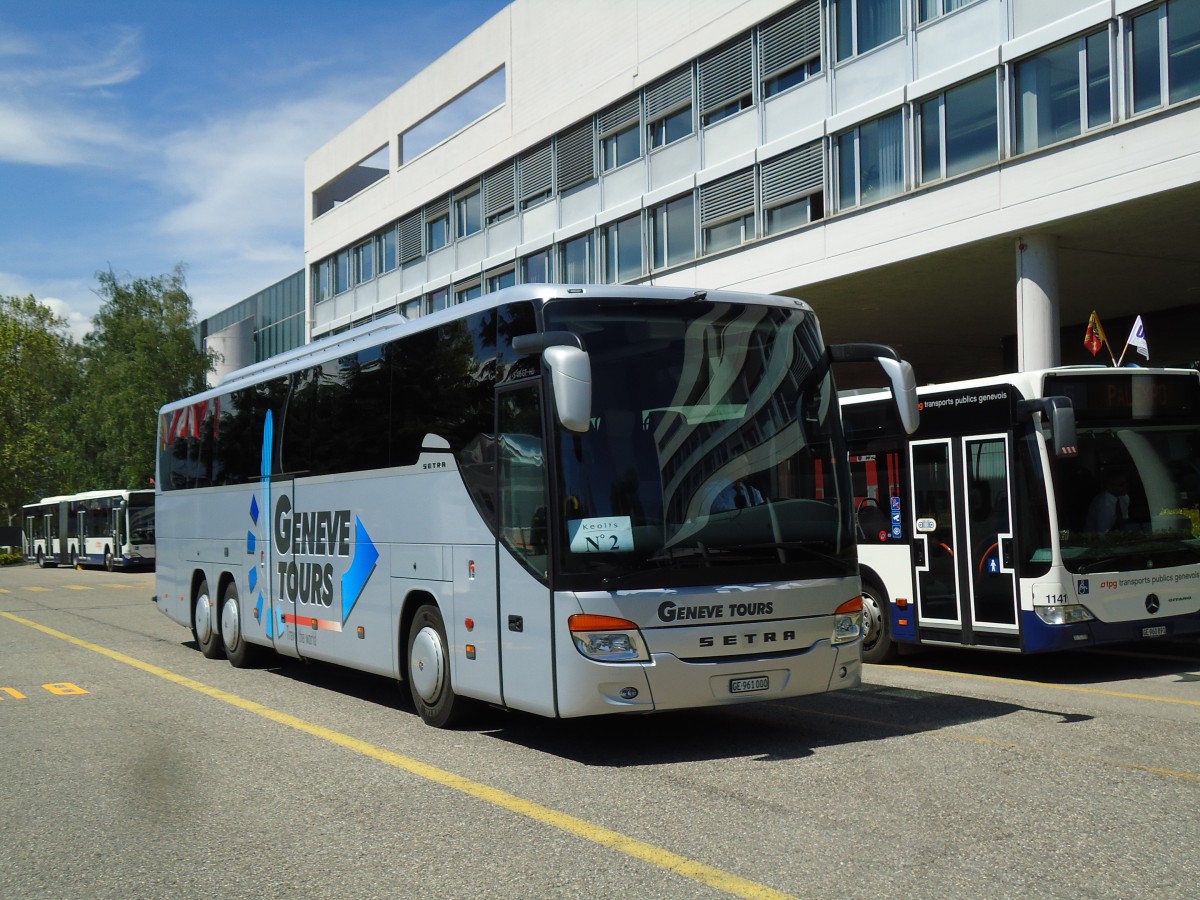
x=526 y=607
x=962 y=545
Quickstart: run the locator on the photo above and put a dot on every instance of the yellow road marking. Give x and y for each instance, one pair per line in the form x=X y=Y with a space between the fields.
x=1057 y=687
x=614 y=840
x=76 y=587
x=35 y=587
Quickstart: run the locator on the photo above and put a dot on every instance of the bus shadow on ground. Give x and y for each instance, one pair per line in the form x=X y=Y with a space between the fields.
x=1093 y=667
x=770 y=731
x=766 y=732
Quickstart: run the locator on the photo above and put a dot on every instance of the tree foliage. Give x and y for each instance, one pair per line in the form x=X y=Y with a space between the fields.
x=38 y=370
x=139 y=355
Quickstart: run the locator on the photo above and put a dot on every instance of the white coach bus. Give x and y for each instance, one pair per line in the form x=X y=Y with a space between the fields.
x=1031 y=511
x=560 y=499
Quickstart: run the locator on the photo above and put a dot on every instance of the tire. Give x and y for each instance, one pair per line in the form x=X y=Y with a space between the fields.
x=41 y=560
x=429 y=670
x=108 y=559
x=877 y=646
x=204 y=624
x=239 y=652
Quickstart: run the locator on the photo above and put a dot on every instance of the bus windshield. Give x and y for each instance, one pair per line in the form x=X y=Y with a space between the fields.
x=713 y=452
x=1129 y=500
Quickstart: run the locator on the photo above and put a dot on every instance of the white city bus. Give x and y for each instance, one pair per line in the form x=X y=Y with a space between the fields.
x=996 y=525
x=112 y=528
x=531 y=500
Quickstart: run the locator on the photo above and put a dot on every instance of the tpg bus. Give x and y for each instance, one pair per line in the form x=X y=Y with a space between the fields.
x=112 y=528
x=561 y=499
x=1035 y=511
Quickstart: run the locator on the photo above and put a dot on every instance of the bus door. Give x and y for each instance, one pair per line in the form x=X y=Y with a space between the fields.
x=524 y=599
x=962 y=545
x=81 y=534
x=119 y=529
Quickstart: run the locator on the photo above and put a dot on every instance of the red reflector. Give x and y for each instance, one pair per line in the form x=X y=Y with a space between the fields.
x=902 y=622
x=850 y=606
x=902 y=603
x=586 y=622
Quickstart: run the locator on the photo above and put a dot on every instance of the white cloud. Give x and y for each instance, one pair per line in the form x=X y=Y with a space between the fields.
x=53 y=112
x=78 y=324
x=81 y=304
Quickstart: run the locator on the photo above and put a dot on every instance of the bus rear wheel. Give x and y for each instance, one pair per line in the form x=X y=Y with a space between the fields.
x=108 y=559
x=877 y=646
x=429 y=670
x=204 y=624
x=241 y=653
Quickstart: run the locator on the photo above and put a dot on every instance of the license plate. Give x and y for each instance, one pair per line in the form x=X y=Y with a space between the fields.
x=742 y=685
x=1154 y=631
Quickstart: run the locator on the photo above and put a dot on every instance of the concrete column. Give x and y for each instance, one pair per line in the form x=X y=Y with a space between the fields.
x=1037 y=302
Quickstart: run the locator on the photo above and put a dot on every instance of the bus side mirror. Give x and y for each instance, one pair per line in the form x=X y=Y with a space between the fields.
x=1061 y=415
x=570 y=374
x=899 y=372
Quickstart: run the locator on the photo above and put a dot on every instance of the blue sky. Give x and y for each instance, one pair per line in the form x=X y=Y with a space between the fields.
x=138 y=135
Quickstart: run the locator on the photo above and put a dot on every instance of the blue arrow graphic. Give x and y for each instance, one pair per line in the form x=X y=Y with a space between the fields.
x=363 y=564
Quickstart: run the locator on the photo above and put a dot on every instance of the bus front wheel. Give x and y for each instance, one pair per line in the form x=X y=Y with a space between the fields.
x=429 y=670
x=204 y=625
x=108 y=559
x=877 y=646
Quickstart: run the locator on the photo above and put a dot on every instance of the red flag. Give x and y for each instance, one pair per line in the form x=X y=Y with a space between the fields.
x=1094 y=338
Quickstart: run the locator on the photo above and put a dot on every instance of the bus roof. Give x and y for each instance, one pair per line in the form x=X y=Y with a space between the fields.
x=394 y=325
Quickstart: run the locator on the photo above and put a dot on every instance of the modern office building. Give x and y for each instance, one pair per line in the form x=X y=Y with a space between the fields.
x=964 y=179
x=264 y=324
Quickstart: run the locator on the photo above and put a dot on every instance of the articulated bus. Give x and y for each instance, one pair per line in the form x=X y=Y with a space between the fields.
x=1030 y=512
x=567 y=500
x=113 y=528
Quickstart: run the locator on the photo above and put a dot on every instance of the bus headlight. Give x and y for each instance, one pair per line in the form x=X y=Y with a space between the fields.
x=847 y=621
x=608 y=638
x=1068 y=614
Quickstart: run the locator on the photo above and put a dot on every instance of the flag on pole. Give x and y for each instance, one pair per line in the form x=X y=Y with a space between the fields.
x=1095 y=338
x=1137 y=338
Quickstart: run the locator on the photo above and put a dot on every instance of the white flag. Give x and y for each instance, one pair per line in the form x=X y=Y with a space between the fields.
x=1137 y=338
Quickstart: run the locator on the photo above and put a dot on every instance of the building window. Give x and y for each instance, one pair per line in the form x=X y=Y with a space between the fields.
x=341 y=272
x=323 y=280
x=931 y=9
x=438 y=299
x=576 y=260
x=535 y=176
x=364 y=262
x=499 y=193
x=863 y=25
x=468 y=214
x=576 y=152
x=726 y=80
x=535 y=268
x=790 y=48
x=413 y=308
x=623 y=250
x=618 y=149
x=385 y=249
x=437 y=226
x=870 y=162
x=960 y=130
x=792 y=188
x=468 y=291
x=727 y=212
x=1175 y=73
x=498 y=281
x=409 y=247
x=673 y=232
x=1053 y=102
x=620 y=132
x=669 y=109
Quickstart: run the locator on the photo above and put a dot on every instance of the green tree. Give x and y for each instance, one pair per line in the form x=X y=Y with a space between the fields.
x=139 y=355
x=38 y=364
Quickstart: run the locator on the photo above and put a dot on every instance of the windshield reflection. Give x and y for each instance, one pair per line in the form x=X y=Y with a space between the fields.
x=1129 y=500
x=714 y=443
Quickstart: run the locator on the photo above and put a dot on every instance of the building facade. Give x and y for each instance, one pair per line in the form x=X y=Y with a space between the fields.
x=964 y=179
x=263 y=325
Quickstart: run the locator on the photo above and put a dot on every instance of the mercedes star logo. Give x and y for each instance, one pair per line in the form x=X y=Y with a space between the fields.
x=1152 y=604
